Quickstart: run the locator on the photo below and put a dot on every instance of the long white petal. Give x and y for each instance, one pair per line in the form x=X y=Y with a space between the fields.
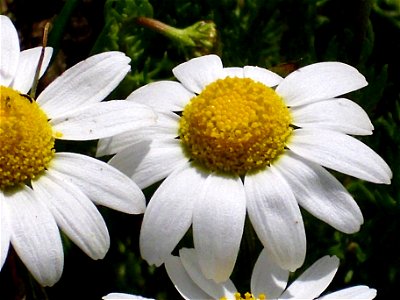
x=340 y=152
x=76 y=215
x=27 y=65
x=183 y=283
x=198 y=72
x=314 y=280
x=267 y=277
x=337 y=114
x=9 y=51
x=166 y=127
x=5 y=230
x=190 y=262
x=101 y=120
x=276 y=218
x=162 y=96
x=262 y=75
x=169 y=214
x=120 y=296
x=99 y=181
x=218 y=222
x=319 y=81
x=35 y=236
x=320 y=193
x=148 y=162
x=87 y=82
x=355 y=292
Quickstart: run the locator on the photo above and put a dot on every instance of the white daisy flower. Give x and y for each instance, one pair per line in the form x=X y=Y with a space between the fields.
x=228 y=143
x=41 y=190
x=268 y=281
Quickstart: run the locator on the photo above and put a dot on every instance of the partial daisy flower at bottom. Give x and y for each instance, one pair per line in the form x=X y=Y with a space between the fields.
x=42 y=190
x=268 y=281
x=231 y=141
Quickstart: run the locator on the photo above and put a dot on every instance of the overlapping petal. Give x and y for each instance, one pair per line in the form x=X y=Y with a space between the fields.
x=10 y=51
x=355 y=292
x=5 y=231
x=262 y=75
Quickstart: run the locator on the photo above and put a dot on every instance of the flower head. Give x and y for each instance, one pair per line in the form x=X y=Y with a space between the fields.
x=231 y=140
x=42 y=190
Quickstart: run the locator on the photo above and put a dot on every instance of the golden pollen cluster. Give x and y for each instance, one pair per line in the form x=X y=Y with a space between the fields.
x=26 y=139
x=247 y=296
x=235 y=125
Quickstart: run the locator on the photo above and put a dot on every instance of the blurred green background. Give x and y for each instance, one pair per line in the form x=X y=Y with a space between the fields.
x=281 y=35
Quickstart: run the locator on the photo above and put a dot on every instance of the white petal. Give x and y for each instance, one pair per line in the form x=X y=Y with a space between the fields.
x=87 y=82
x=102 y=183
x=267 y=277
x=76 y=215
x=27 y=65
x=314 y=280
x=262 y=75
x=162 y=96
x=340 y=152
x=320 y=193
x=337 y=114
x=198 y=72
x=103 y=119
x=5 y=230
x=320 y=81
x=233 y=72
x=355 y=292
x=276 y=218
x=183 y=283
x=190 y=261
x=9 y=51
x=149 y=162
x=169 y=214
x=119 y=296
x=167 y=126
x=218 y=221
x=35 y=236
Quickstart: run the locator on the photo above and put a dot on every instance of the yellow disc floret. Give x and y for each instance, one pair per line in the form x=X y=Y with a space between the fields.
x=235 y=125
x=247 y=296
x=26 y=139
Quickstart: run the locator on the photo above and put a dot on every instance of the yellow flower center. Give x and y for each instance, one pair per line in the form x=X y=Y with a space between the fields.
x=235 y=125
x=247 y=296
x=26 y=139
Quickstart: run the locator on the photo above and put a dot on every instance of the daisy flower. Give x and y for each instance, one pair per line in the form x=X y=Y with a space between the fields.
x=268 y=281
x=231 y=140
x=42 y=190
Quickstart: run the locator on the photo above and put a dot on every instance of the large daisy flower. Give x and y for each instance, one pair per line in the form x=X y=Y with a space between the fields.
x=235 y=139
x=268 y=281
x=42 y=190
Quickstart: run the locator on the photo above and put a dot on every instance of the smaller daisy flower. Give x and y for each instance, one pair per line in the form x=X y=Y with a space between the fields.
x=42 y=190
x=237 y=141
x=268 y=281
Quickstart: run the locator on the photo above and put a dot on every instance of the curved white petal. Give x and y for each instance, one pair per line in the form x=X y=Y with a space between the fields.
x=218 y=221
x=162 y=96
x=99 y=181
x=102 y=120
x=5 y=230
x=119 y=296
x=320 y=193
x=267 y=277
x=148 y=162
x=76 y=215
x=355 y=292
x=262 y=75
x=319 y=81
x=183 y=283
x=35 y=236
x=167 y=126
x=337 y=114
x=9 y=51
x=276 y=218
x=169 y=214
x=190 y=261
x=340 y=152
x=232 y=72
x=87 y=82
x=198 y=72
x=314 y=280
x=27 y=65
